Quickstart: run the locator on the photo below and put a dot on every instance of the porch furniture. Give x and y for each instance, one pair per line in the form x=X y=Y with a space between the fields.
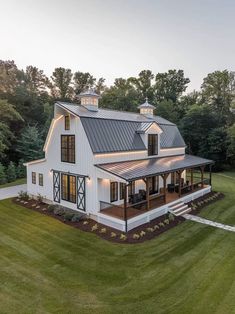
x=171 y=187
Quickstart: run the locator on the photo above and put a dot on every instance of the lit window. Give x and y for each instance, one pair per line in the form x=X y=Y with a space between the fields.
x=40 y=179
x=152 y=144
x=67 y=122
x=68 y=148
x=34 y=177
x=68 y=188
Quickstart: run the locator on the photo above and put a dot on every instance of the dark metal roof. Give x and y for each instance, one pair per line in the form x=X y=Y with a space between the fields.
x=116 y=131
x=134 y=170
x=112 y=135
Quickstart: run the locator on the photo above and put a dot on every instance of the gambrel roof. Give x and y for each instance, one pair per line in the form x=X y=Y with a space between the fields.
x=119 y=131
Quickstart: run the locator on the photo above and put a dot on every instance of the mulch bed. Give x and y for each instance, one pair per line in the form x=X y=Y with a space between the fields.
x=146 y=232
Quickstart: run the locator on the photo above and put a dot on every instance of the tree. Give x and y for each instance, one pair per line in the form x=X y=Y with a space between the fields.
x=166 y=109
x=143 y=84
x=231 y=145
x=170 y=85
x=29 y=145
x=36 y=81
x=218 y=91
x=61 y=87
x=83 y=81
x=196 y=127
x=121 y=96
x=8 y=77
x=11 y=172
x=8 y=117
x=21 y=170
x=3 y=178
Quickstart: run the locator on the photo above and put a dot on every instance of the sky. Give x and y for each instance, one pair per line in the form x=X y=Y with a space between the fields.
x=119 y=38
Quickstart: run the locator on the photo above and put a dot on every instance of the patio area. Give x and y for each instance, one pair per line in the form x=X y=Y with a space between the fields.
x=133 y=210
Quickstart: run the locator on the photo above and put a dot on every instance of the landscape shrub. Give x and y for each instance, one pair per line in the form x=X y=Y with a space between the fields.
x=59 y=211
x=11 y=172
x=123 y=237
x=94 y=228
x=23 y=196
x=21 y=170
x=103 y=230
x=39 y=198
x=142 y=233
x=76 y=218
x=156 y=227
x=68 y=216
x=166 y=221
x=3 y=177
x=171 y=217
x=113 y=235
x=85 y=222
x=136 y=236
x=161 y=224
x=150 y=229
x=51 y=208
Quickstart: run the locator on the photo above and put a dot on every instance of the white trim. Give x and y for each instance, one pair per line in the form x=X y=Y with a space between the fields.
x=53 y=122
x=34 y=162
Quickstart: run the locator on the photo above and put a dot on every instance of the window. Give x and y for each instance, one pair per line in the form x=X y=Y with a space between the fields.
x=40 y=179
x=113 y=191
x=173 y=177
x=68 y=188
x=131 y=188
x=68 y=148
x=34 y=177
x=152 y=144
x=122 y=187
x=153 y=185
x=67 y=122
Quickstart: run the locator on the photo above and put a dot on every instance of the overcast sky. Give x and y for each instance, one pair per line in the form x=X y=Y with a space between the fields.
x=119 y=38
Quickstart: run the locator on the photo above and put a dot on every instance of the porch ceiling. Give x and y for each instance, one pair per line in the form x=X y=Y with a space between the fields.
x=137 y=169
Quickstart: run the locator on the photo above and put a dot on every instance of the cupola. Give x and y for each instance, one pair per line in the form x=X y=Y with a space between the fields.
x=146 y=109
x=90 y=100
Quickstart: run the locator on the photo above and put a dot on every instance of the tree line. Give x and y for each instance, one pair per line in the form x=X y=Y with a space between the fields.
x=205 y=117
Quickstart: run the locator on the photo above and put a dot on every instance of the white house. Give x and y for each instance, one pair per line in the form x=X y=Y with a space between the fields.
x=122 y=169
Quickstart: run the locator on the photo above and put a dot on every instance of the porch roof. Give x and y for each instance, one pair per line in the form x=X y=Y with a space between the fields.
x=137 y=169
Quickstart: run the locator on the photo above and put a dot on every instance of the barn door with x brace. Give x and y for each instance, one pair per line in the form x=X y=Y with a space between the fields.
x=56 y=186
x=81 y=193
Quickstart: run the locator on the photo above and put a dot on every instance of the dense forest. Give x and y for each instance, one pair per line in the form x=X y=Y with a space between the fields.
x=206 y=117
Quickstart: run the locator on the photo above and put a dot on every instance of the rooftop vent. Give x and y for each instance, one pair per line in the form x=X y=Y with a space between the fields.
x=146 y=109
x=89 y=99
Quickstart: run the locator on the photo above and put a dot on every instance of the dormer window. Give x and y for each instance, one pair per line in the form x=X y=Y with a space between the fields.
x=67 y=122
x=152 y=144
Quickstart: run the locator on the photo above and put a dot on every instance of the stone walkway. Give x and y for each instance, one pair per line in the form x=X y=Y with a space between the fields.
x=208 y=222
x=12 y=191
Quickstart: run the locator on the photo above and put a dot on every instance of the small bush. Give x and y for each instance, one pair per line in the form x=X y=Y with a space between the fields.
x=150 y=229
x=39 y=198
x=76 y=218
x=166 y=221
x=156 y=227
x=142 y=233
x=23 y=196
x=171 y=217
x=85 y=222
x=94 y=228
x=59 y=211
x=123 y=237
x=51 y=208
x=161 y=224
x=68 y=216
x=103 y=230
x=136 y=236
x=113 y=235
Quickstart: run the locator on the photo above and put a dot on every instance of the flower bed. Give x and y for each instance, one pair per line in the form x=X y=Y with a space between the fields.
x=137 y=235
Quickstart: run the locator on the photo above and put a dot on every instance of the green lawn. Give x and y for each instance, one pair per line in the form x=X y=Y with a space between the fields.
x=16 y=182
x=49 y=267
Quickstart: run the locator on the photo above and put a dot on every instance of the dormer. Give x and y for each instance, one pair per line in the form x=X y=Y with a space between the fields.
x=89 y=100
x=146 y=109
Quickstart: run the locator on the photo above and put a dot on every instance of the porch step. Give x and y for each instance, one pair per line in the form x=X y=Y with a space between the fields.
x=179 y=209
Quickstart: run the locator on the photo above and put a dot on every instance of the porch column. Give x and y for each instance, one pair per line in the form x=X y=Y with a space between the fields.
x=202 y=175
x=125 y=209
x=179 y=175
x=147 y=192
x=164 y=177
x=192 y=179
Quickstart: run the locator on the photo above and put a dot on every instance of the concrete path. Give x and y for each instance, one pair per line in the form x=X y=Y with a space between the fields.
x=209 y=222
x=12 y=191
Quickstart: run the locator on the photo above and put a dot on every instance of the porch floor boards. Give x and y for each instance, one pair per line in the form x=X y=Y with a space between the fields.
x=118 y=211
